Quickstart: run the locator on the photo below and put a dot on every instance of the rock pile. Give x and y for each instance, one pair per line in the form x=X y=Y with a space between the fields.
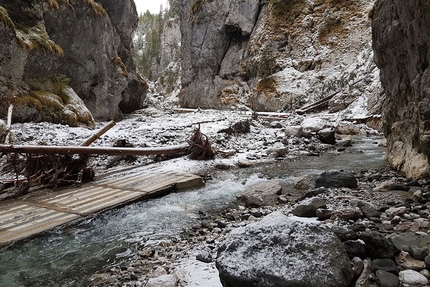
x=381 y=238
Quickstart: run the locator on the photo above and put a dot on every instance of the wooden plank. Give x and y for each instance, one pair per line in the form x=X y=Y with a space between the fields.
x=26 y=218
x=30 y=220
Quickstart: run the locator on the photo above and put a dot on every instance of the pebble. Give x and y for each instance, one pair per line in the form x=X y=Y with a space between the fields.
x=413 y=278
x=386 y=279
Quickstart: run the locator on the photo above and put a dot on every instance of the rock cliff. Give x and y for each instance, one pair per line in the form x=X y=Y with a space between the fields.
x=273 y=55
x=54 y=54
x=401 y=42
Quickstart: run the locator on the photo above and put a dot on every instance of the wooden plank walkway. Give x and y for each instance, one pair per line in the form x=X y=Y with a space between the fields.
x=26 y=218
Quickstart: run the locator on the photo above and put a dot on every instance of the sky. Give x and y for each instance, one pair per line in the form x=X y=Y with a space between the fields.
x=152 y=5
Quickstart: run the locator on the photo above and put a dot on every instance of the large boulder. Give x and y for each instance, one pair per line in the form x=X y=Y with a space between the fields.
x=336 y=179
x=84 y=45
x=401 y=41
x=283 y=251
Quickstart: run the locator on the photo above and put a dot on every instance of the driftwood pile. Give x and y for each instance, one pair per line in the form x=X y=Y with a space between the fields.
x=54 y=166
x=200 y=147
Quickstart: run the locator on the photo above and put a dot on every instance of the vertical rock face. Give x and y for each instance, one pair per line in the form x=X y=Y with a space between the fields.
x=84 y=44
x=401 y=41
x=214 y=38
x=277 y=55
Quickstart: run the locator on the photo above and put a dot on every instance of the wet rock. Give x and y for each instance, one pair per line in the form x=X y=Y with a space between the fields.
x=308 y=208
x=412 y=278
x=163 y=281
x=405 y=261
x=327 y=136
x=277 y=152
x=368 y=210
x=355 y=248
x=323 y=214
x=336 y=179
x=306 y=182
x=384 y=264
x=377 y=246
x=344 y=233
x=344 y=142
x=386 y=279
x=313 y=193
x=262 y=194
x=309 y=246
x=348 y=213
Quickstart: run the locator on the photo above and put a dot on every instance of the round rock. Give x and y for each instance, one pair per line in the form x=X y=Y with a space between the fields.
x=283 y=251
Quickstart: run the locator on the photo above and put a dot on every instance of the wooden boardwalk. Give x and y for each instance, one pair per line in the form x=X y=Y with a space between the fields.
x=26 y=218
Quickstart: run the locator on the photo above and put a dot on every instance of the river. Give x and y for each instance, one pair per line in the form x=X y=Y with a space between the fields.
x=66 y=256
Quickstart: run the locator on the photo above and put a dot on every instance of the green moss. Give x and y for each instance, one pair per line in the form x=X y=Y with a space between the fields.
x=4 y=17
x=37 y=38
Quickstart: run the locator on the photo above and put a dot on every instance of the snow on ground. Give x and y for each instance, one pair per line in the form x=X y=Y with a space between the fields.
x=153 y=127
x=198 y=274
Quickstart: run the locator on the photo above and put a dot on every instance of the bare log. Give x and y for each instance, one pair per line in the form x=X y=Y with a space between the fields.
x=177 y=149
x=97 y=135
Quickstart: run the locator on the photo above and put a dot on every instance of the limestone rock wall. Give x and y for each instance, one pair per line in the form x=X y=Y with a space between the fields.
x=277 y=55
x=83 y=44
x=214 y=39
x=401 y=41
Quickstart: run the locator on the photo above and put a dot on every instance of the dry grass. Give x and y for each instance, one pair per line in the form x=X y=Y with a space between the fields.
x=4 y=17
x=268 y=87
x=96 y=7
x=118 y=61
x=36 y=37
x=54 y=4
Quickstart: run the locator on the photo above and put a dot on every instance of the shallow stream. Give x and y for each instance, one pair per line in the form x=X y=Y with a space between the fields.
x=66 y=256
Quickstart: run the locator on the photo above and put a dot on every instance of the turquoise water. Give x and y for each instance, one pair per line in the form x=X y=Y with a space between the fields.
x=66 y=256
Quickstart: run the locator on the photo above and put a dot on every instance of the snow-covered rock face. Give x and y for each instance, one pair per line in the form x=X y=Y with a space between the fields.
x=283 y=251
x=278 y=56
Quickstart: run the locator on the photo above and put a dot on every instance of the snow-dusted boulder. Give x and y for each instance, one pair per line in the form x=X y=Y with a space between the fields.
x=315 y=124
x=262 y=194
x=283 y=251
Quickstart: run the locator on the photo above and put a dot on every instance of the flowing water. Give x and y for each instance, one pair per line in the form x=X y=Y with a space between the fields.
x=66 y=256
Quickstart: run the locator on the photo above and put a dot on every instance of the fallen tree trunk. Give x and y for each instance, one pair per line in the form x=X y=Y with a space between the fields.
x=97 y=135
x=84 y=150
